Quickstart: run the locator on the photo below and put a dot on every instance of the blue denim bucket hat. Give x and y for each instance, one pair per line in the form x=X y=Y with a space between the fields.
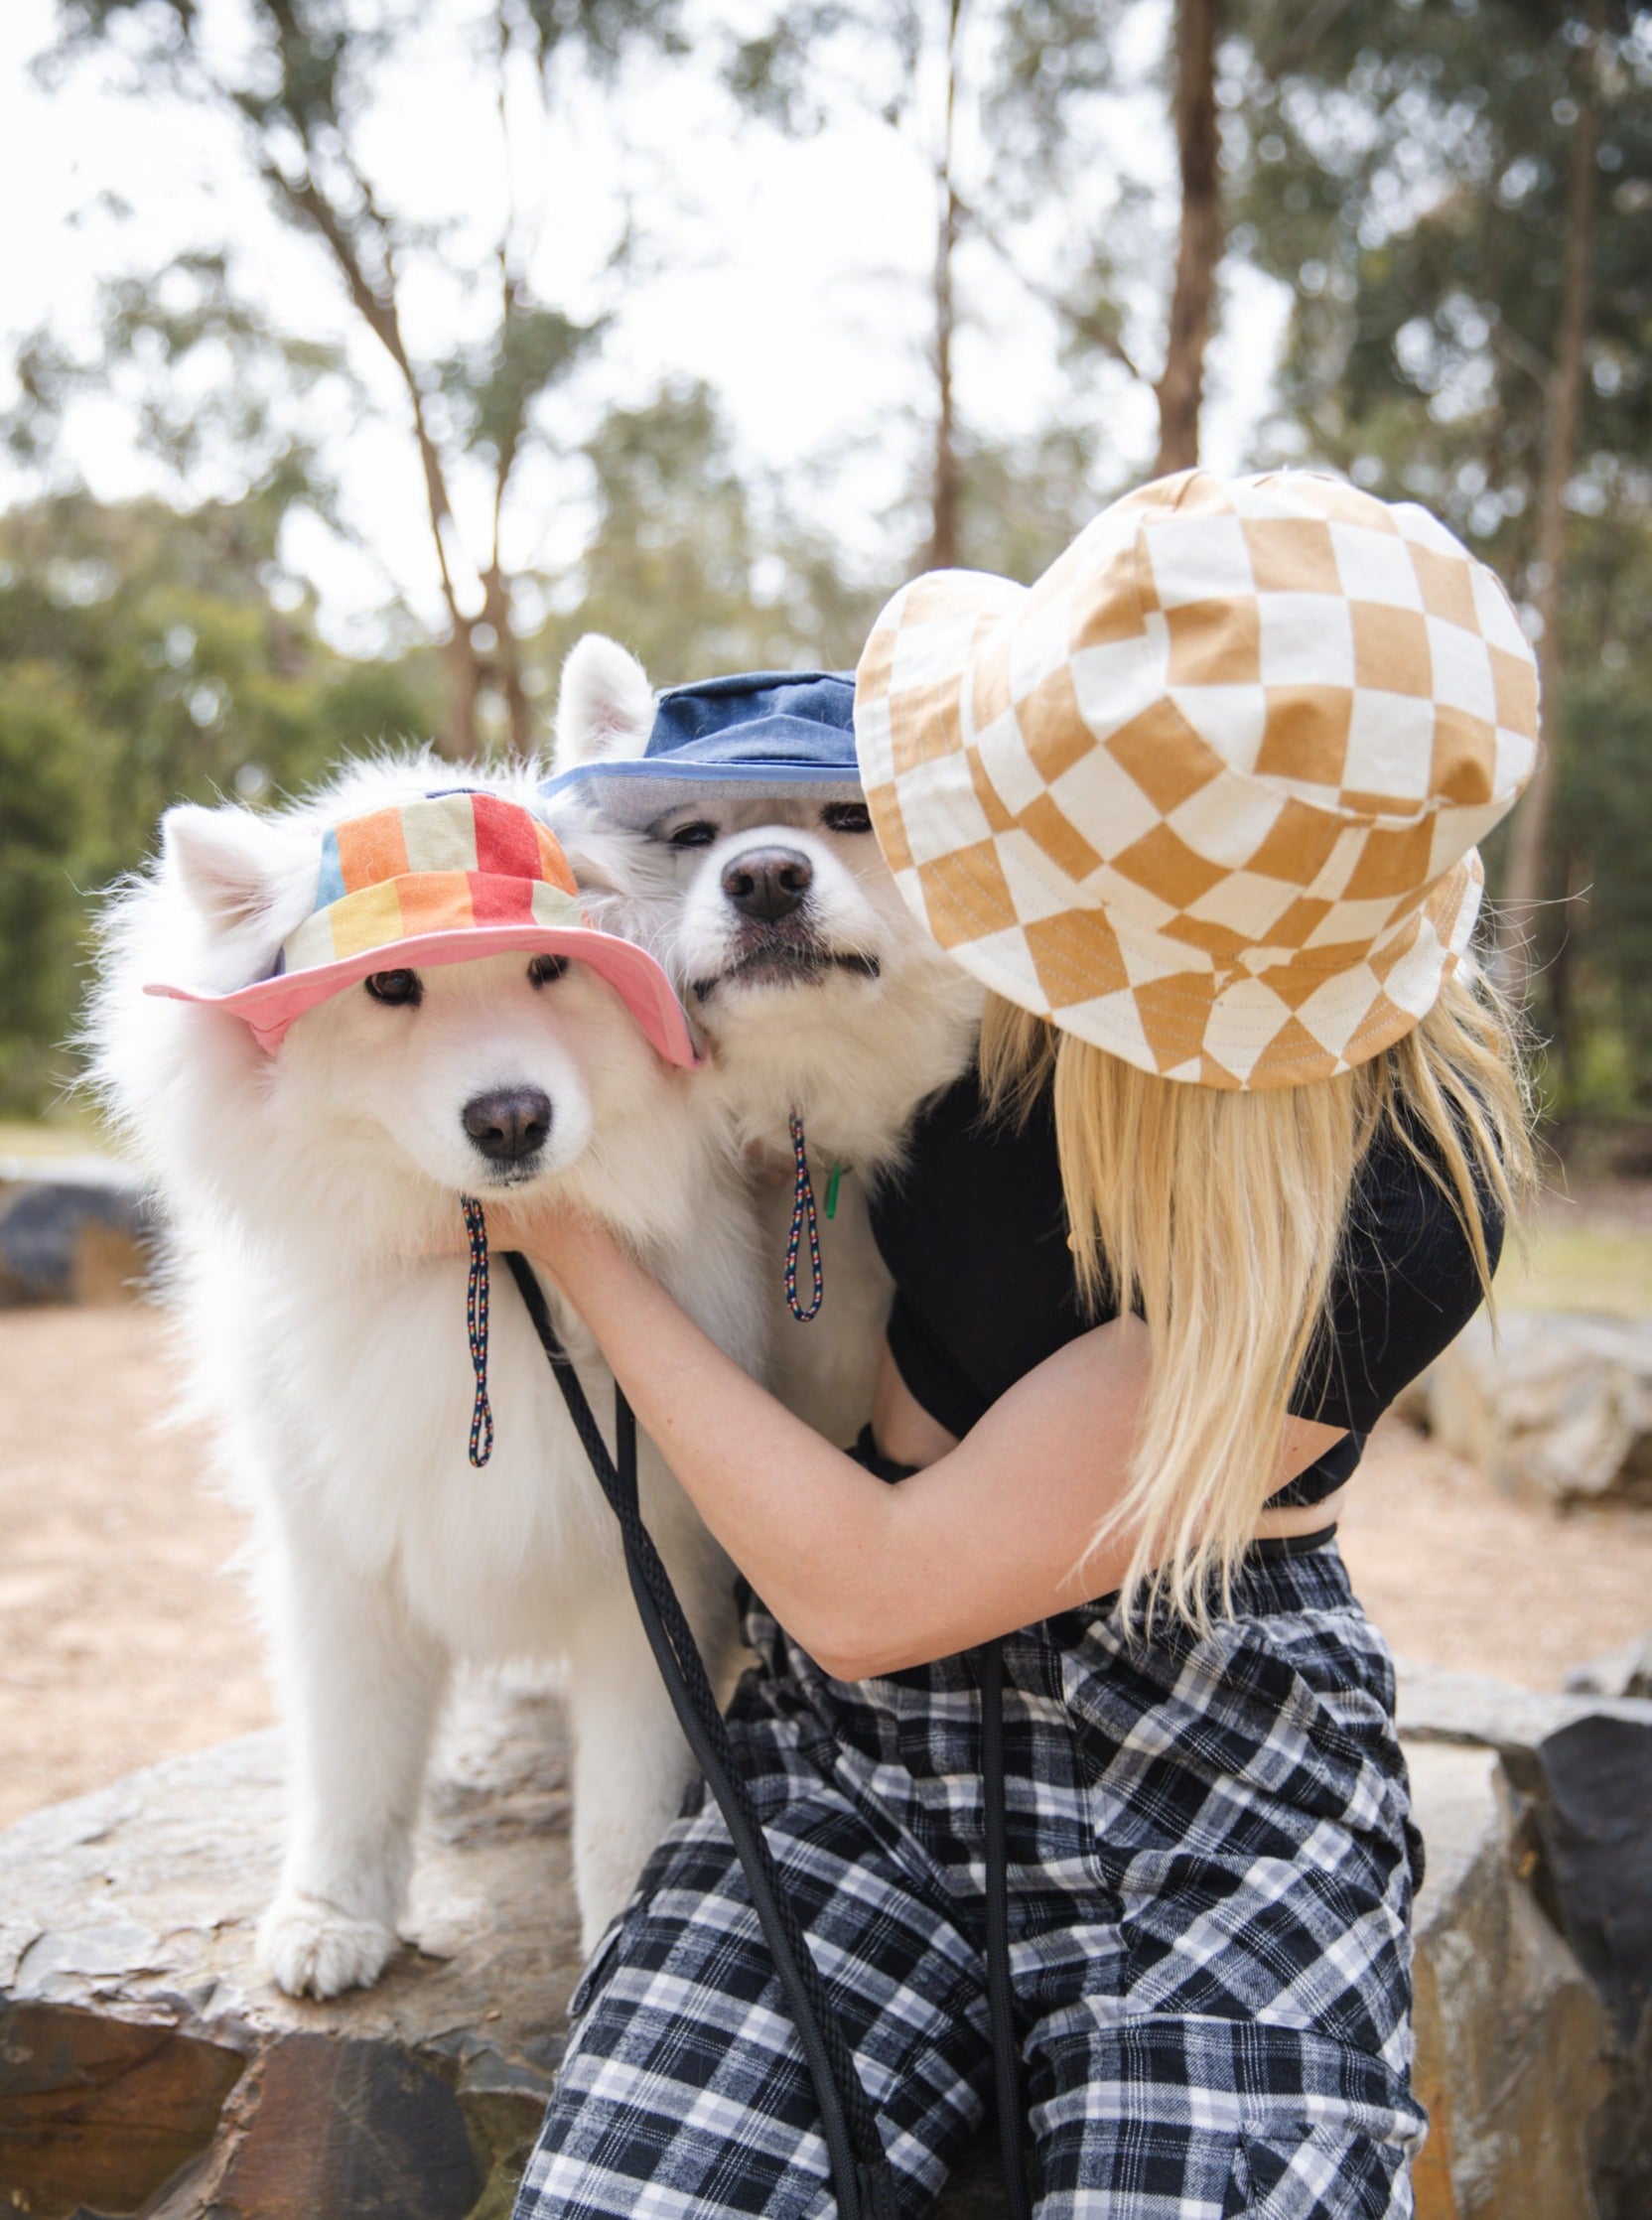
x=753 y=737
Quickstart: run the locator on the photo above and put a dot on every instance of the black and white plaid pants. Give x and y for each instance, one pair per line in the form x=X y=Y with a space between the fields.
x=1211 y=1866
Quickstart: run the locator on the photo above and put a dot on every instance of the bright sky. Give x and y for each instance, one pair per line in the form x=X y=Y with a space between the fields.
x=794 y=276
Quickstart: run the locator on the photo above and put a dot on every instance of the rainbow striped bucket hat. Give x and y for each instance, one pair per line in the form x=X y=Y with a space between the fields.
x=448 y=879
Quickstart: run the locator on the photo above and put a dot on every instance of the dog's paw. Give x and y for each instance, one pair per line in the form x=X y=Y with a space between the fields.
x=312 y=1949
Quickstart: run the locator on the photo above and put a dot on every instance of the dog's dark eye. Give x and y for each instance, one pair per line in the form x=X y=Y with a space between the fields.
x=544 y=969
x=700 y=834
x=400 y=989
x=845 y=817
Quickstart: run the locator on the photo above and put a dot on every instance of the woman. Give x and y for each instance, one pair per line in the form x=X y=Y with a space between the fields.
x=1198 y=808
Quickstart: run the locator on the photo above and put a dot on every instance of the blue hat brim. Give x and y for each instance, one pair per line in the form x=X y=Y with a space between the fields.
x=636 y=792
x=754 y=736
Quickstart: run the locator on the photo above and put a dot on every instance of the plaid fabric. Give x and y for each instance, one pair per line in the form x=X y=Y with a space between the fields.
x=1211 y=1868
x=1207 y=792
x=450 y=864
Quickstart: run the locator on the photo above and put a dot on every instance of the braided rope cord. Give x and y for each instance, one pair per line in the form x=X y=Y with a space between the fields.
x=476 y=1326
x=804 y=1221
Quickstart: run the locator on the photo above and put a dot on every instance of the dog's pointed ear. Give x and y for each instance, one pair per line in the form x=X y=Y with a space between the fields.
x=604 y=706
x=236 y=869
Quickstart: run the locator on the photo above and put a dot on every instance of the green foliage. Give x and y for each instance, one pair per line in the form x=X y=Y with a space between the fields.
x=42 y=814
x=1401 y=165
x=302 y=77
x=682 y=569
x=207 y=380
x=491 y=388
x=1407 y=178
x=1025 y=500
x=146 y=656
x=1405 y=172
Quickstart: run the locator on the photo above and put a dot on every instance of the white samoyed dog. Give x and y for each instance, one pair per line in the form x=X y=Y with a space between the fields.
x=813 y=988
x=305 y=1191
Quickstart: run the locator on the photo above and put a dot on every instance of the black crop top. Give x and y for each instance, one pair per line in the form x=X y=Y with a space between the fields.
x=974 y=1232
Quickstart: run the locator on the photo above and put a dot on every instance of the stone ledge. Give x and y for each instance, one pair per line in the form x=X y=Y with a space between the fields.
x=148 y=2073
x=1534 y=1933
x=142 y=2053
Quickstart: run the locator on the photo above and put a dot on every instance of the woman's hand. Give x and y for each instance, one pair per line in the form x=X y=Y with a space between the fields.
x=553 y=1234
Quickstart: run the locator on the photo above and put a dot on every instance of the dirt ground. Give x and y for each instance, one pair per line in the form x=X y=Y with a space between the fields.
x=126 y=1634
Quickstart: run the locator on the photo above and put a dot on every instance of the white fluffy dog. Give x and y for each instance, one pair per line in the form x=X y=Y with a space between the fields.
x=813 y=988
x=306 y=1191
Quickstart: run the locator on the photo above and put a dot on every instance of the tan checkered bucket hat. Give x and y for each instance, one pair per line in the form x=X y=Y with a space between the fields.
x=1207 y=794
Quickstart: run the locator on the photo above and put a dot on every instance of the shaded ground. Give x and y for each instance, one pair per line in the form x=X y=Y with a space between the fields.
x=124 y=1639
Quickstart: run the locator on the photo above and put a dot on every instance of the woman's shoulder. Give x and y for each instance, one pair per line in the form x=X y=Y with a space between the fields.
x=1407 y=1279
x=1405 y=1205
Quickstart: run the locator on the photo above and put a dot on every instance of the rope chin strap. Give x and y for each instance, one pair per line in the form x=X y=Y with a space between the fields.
x=804 y=1221
x=476 y=1326
x=805 y=1224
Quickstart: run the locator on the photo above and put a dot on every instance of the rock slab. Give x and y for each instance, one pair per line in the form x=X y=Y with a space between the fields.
x=1554 y=1405
x=72 y=1229
x=146 y=2068
x=147 y=2072
x=1534 y=1948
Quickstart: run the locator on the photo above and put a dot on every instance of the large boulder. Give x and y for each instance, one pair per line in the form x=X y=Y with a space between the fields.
x=147 y=2070
x=1533 y=1947
x=1511 y=2037
x=145 y=2065
x=1554 y=1405
x=1619 y=1672
x=72 y=1229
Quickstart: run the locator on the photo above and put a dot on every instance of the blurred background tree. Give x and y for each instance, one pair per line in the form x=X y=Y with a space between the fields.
x=1437 y=216
x=1461 y=201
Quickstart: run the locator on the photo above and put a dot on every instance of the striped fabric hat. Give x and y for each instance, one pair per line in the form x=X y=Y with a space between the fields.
x=448 y=879
x=1207 y=794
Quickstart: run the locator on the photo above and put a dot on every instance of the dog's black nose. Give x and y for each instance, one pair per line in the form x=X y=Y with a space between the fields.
x=509 y=1124
x=768 y=883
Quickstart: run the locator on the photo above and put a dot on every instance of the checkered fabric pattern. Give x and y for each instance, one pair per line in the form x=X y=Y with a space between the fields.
x=447 y=878
x=1207 y=794
x=1210 y=1876
x=451 y=864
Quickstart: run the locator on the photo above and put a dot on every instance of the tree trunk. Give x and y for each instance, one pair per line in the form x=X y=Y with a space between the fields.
x=460 y=734
x=460 y=738
x=1527 y=873
x=506 y=662
x=1180 y=389
x=946 y=477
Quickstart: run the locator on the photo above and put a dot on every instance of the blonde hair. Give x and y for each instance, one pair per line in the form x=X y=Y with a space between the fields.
x=1220 y=1216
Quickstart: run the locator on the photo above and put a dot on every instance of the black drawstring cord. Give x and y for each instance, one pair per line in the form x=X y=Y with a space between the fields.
x=1000 y=2000
x=476 y=1325
x=860 y=2174
x=804 y=1221
x=860 y=2169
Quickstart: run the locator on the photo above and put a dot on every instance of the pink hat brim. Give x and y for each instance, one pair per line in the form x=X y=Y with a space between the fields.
x=270 y=1005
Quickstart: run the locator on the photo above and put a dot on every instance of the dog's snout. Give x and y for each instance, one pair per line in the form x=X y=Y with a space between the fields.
x=768 y=883
x=509 y=1124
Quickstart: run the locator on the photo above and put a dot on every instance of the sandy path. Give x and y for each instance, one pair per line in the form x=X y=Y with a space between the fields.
x=123 y=1638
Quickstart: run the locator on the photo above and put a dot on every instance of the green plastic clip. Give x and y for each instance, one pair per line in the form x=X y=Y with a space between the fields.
x=833 y=1177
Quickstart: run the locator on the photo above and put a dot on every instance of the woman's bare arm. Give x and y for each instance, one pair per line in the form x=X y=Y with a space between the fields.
x=871 y=1578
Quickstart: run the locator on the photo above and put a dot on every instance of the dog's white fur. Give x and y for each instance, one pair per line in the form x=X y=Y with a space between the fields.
x=856 y=1045
x=300 y=1189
